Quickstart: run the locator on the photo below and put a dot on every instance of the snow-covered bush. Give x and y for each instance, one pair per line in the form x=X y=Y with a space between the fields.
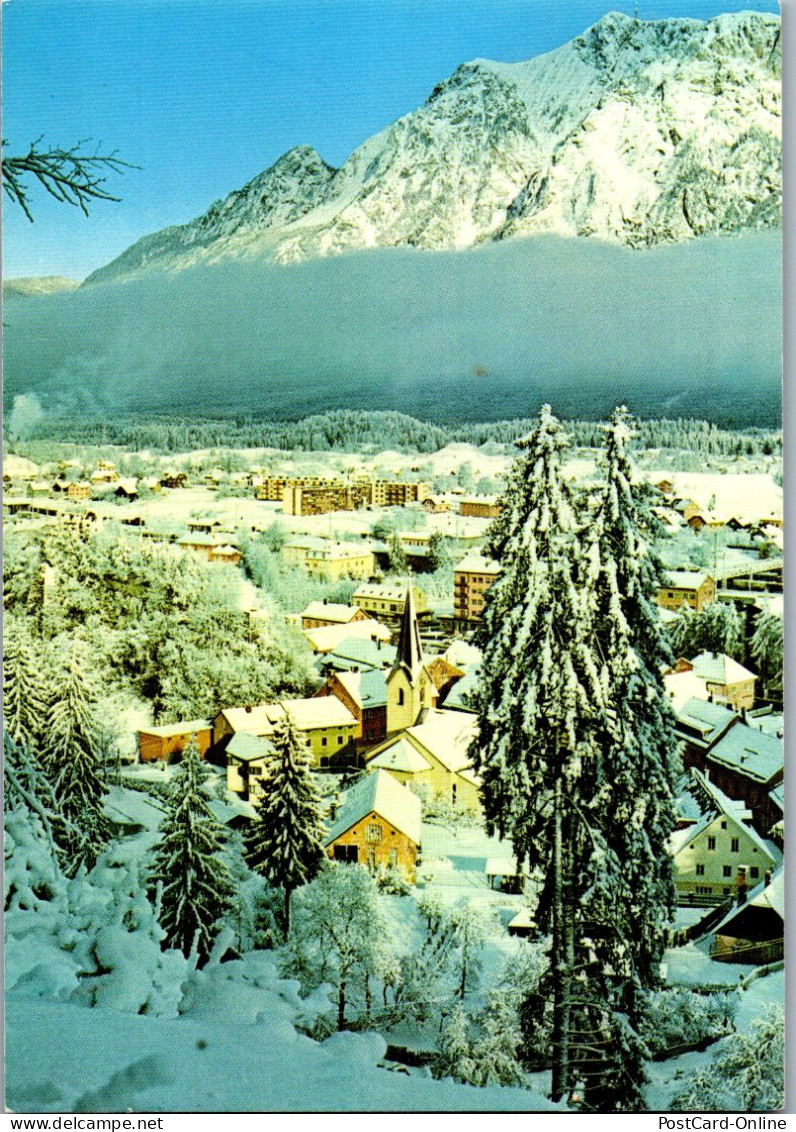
x=746 y=1073
x=679 y=1016
x=391 y=879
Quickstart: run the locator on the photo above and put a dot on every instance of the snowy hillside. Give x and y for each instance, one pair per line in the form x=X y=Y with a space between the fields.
x=636 y=132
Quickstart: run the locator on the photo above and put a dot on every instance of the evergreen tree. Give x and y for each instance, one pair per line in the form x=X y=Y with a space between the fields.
x=631 y=897
x=399 y=564
x=196 y=886
x=285 y=841
x=767 y=650
x=455 y=1057
x=71 y=758
x=538 y=698
x=24 y=691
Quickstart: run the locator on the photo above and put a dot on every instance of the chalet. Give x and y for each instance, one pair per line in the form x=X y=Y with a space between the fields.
x=226 y=553
x=387 y=601
x=204 y=526
x=365 y=696
x=699 y=725
x=103 y=474
x=166 y=742
x=708 y=853
x=727 y=681
x=81 y=489
x=202 y=546
x=319 y=613
x=687 y=587
x=377 y=826
x=334 y=639
x=174 y=479
x=472 y=577
x=247 y=765
x=665 y=486
x=753 y=931
x=444 y=674
x=126 y=488
x=259 y=719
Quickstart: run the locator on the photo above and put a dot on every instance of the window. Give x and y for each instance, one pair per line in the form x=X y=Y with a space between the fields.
x=711 y=843
x=373 y=833
x=400 y=697
x=700 y=870
x=724 y=825
x=371 y=860
x=393 y=856
x=735 y=845
x=339 y=740
x=726 y=871
x=323 y=741
x=754 y=872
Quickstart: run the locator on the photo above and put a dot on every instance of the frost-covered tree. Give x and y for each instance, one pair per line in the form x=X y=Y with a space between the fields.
x=538 y=698
x=717 y=628
x=399 y=563
x=627 y=789
x=72 y=760
x=195 y=883
x=455 y=1053
x=25 y=691
x=284 y=843
x=767 y=649
x=471 y=924
x=495 y=1054
x=341 y=934
x=746 y=1073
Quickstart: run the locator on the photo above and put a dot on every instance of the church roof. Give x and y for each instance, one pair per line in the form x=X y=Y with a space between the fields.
x=409 y=651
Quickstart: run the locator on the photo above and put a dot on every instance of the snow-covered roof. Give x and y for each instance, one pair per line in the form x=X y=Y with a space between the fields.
x=182 y=727
x=707 y=718
x=502 y=867
x=684 y=580
x=227 y=551
x=683 y=686
x=332 y=611
x=718 y=668
x=447 y=736
x=401 y=755
x=258 y=720
x=319 y=711
x=249 y=748
x=475 y=563
x=393 y=592
x=771 y=895
x=132 y=807
x=463 y=654
x=753 y=753
x=334 y=638
x=380 y=793
x=367 y=689
x=777 y=796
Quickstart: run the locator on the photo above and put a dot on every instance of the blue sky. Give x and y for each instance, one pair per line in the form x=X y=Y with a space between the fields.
x=204 y=94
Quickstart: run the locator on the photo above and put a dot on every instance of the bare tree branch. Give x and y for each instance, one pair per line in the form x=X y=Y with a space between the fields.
x=69 y=175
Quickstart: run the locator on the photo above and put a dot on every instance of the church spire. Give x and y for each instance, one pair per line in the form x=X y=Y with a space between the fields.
x=409 y=652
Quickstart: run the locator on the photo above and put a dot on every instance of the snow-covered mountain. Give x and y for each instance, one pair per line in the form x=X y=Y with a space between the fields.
x=635 y=132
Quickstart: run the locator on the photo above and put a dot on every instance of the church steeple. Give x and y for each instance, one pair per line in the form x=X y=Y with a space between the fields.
x=409 y=651
x=409 y=687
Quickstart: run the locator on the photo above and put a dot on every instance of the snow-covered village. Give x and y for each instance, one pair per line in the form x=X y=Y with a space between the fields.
x=331 y=788
x=393 y=558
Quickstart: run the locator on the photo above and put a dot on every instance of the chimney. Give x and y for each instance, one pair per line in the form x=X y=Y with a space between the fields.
x=740 y=885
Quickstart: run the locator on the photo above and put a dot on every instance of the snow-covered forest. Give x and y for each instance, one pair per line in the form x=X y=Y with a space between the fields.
x=210 y=952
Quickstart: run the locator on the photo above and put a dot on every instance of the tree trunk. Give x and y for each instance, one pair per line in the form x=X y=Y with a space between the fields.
x=561 y=956
x=341 y=1005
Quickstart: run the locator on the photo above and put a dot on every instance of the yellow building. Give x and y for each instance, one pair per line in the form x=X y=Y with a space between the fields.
x=387 y=601
x=328 y=727
x=687 y=587
x=378 y=826
x=328 y=560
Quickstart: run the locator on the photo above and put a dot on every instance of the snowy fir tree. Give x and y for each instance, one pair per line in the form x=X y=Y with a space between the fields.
x=767 y=650
x=399 y=563
x=71 y=757
x=284 y=843
x=576 y=749
x=717 y=629
x=628 y=786
x=25 y=693
x=455 y=1057
x=538 y=698
x=196 y=890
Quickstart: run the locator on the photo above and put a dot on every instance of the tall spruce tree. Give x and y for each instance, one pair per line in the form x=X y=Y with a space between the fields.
x=25 y=692
x=71 y=760
x=284 y=844
x=630 y=901
x=196 y=885
x=539 y=696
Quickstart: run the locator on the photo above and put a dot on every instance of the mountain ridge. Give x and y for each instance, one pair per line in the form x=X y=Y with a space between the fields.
x=635 y=132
